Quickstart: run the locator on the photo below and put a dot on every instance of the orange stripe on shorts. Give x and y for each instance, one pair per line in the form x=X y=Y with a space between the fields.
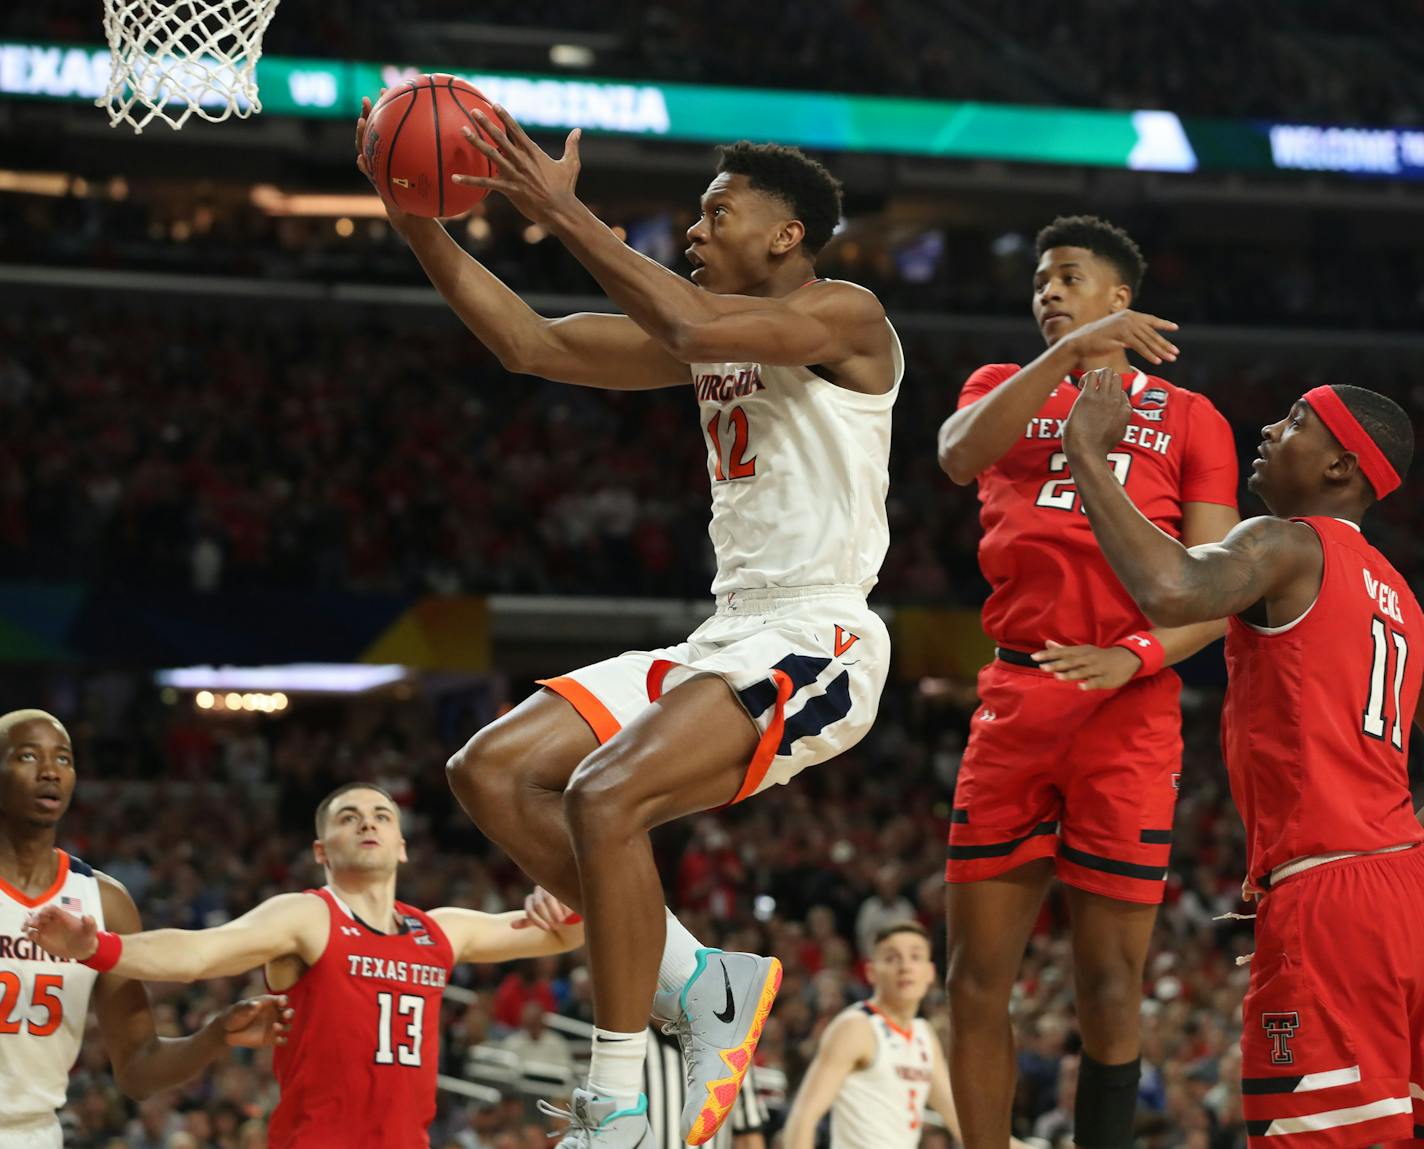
x=599 y=718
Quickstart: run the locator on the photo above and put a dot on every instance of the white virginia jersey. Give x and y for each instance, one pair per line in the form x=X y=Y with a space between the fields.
x=883 y=1105
x=800 y=470
x=44 y=1001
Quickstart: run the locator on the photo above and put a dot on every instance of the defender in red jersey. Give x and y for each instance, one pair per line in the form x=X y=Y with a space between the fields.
x=363 y=972
x=1324 y=683
x=1075 y=749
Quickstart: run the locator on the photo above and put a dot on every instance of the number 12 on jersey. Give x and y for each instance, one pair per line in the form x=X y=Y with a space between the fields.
x=738 y=464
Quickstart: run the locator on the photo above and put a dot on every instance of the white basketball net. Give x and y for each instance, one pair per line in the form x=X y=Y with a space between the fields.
x=171 y=58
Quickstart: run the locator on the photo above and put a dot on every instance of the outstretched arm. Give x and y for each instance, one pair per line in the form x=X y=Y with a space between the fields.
x=480 y=937
x=1262 y=558
x=145 y=1063
x=831 y=324
x=281 y=926
x=1108 y=668
x=607 y=351
x=979 y=434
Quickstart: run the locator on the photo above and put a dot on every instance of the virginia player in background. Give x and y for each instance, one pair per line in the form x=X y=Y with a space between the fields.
x=792 y=380
x=1325 y=658
x=364 y=973
x=44 y=1002
x=1075 y=750
x=879 y=1065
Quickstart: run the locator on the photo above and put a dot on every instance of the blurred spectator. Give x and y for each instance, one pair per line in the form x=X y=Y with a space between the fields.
x=521 y=988
x=534 y=1041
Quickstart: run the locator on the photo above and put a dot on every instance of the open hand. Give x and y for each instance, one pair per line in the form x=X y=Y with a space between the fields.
x=1091 y=667
x=62 y=933
x=532 y=180
x=1123 y=331
x=545 y=912
x=257 y=1021
x=1099 y=417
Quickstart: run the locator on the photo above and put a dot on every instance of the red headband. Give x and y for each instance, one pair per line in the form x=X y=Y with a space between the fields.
x=1345 y=427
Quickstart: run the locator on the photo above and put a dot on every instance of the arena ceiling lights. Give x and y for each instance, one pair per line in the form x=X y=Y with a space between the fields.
x=292 y=678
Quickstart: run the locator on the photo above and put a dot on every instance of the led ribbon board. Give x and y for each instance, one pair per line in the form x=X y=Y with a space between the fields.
x=1141 y=140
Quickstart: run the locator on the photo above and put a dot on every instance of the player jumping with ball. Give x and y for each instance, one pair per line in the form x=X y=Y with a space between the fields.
x=793 y=378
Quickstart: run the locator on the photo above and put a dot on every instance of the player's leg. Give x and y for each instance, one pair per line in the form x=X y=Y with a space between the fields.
x=1119 y=796
x=989 y=926
x=1110 y=942
x=510 y=779
x=1327 y=1043
x=686 y=753
x=1003 y=833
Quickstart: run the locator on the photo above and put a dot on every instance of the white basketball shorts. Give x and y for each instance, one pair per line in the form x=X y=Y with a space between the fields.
x=807 y=663
x=31 y=1133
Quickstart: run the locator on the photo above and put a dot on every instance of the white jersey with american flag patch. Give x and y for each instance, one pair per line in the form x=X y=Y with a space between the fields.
x=44 y=1001
x=799 y=469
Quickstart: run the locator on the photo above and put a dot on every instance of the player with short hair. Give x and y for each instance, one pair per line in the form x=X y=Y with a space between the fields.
x=794 y=378
x=363 y=971
x=1323 y=687
x=44 y=1002
x=878 y=1065
x=1075 y=749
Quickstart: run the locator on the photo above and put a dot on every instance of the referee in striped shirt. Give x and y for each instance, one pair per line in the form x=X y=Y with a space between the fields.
x=666 y=1087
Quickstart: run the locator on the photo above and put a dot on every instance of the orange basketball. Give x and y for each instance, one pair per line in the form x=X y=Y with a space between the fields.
x=414 y=145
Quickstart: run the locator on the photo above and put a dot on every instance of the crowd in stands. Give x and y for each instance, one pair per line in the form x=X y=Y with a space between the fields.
x=1323 y=277
x=1328 y=61
x=201 y=448
x=807 y=871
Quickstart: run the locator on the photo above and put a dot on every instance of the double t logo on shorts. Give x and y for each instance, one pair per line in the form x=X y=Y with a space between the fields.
x=1280 y=1027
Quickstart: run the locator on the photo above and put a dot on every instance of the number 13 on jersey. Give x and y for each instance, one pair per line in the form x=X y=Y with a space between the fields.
x=737 y=463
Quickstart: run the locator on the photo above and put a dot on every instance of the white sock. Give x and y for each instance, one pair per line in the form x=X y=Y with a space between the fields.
x=679 y=956
x=616 y=1068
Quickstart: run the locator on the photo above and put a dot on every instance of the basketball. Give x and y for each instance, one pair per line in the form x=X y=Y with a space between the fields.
x=414 y=145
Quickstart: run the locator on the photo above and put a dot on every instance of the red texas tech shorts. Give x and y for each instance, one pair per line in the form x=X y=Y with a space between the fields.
x=1086 y=777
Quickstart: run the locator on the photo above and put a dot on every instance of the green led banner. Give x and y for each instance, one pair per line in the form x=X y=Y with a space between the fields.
x=1138 y=140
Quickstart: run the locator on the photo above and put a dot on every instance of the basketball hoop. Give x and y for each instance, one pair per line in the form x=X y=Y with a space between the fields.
x=171 y=58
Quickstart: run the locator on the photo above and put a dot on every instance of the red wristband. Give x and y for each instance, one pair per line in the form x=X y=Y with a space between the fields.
x=106 y=956
x=1148 y=649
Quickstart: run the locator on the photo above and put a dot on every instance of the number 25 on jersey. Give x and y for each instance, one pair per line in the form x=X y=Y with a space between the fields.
x=45 y=995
